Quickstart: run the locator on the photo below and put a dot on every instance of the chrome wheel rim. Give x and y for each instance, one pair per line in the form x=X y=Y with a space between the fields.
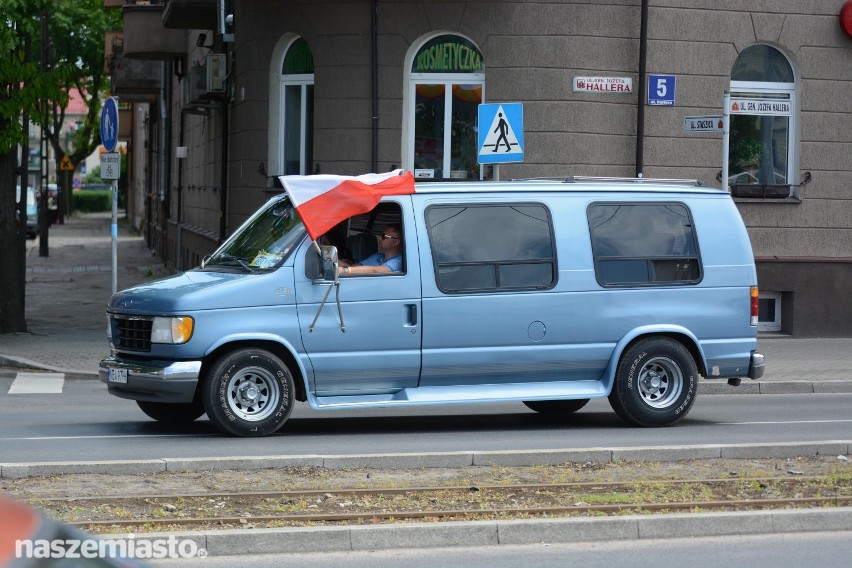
x=253 y=394
x=660 y=382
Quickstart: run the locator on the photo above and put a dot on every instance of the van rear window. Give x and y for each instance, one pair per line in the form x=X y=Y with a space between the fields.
x=492 y=247
x=643 y=244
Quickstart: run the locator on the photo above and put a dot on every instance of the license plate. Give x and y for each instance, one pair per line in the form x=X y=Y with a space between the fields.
x=117 y=375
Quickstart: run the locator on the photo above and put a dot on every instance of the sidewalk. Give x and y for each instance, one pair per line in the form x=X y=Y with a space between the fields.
x=67 y=294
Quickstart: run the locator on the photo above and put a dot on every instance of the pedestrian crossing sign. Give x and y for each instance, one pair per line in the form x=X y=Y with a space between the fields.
x=501 y=133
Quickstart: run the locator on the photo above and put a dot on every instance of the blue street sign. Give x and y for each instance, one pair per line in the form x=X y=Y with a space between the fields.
x=661 y=90
x=501 y=133
x=109 y=124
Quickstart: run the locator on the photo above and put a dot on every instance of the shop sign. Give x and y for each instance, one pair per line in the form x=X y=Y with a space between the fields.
x=603 y=85
x=448 y=54
x=760 y=107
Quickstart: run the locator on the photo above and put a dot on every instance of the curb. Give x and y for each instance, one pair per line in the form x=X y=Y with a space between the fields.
x=439 y=459
x=500 y=533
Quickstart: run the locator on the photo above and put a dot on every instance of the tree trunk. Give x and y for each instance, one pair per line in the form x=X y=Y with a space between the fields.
x=12 y=249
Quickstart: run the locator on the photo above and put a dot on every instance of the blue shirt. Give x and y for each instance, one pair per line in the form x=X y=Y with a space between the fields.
x=393 y=263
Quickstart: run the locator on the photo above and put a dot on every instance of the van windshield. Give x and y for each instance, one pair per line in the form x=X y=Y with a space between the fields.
x=263 y=241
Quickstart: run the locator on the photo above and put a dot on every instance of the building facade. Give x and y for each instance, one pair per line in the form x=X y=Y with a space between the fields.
x=249 y=90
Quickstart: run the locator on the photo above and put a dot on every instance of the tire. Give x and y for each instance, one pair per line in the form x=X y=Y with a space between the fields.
x=655 y=383
x=556 y=407
x=172 y=413
x=248 y=392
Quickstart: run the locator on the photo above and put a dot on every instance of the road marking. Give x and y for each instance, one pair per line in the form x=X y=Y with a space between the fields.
x=37 y=438
x=783 y=422
x=37 y=383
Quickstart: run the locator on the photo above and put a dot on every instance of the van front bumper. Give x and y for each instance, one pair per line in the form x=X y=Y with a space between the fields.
x=756 y=366
x=152 y=381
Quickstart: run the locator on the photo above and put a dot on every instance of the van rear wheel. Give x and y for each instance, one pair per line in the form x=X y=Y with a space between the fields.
x=173 y=413
x=248 y=392
x=556 y=407
x=655 y=383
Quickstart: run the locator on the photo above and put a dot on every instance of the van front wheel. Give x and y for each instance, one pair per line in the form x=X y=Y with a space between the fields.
x=248 y=392
x=655 y=383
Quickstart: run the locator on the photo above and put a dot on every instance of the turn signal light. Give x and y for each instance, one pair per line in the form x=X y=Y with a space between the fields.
x=174 y=330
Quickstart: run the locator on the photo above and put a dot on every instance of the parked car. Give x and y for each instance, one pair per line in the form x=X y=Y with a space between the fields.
x=538 y=292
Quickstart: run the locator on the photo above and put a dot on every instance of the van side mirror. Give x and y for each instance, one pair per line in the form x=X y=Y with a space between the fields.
x=329 y=262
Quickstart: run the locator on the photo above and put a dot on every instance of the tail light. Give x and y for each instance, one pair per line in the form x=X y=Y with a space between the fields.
x=755 y=297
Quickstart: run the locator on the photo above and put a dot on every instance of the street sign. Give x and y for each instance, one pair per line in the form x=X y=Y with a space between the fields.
x=623 y=85
x=761 y=107
x=501 y=133
x=110 y=165
x=712 y=123
x=109 y=125
x=661 y=90
x=65 y=164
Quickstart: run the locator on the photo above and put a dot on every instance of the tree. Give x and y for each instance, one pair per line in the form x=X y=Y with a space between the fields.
x=76 y=31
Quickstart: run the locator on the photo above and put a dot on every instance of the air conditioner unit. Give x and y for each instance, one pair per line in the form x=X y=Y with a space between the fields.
x=205 y=85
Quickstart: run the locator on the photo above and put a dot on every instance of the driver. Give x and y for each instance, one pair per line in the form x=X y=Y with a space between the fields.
x=388 y=259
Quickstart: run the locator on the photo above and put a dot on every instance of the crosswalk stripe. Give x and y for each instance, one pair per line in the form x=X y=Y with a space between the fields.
x=37 y=383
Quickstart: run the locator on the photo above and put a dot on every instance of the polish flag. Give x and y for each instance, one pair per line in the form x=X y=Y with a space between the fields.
x=323 y=201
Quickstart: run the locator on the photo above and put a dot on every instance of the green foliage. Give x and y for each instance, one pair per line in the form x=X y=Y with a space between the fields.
x=89 y=201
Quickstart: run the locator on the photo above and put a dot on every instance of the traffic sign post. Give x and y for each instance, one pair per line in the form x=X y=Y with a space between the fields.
x=111 y=169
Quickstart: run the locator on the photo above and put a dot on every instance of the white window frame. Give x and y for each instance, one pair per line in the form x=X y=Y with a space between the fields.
x=277 y=129
x=409 y=98
x=303 y=81
x=771 y=325
x=744 y=88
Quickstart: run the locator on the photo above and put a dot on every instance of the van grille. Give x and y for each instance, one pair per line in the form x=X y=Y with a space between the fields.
x=131 y=333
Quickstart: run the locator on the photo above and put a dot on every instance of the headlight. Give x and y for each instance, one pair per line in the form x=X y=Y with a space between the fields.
x=109 y=327
x=174 y=330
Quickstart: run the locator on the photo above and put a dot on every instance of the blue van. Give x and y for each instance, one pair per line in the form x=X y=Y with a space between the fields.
x=548 y=293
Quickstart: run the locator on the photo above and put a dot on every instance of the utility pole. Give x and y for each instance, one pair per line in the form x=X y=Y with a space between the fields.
x=43 y=213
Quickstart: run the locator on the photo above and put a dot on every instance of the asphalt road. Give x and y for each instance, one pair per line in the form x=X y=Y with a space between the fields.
x=83 y=422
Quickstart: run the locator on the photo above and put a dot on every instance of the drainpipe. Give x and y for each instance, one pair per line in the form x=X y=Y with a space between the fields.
x=640 y=114
x=374 y=71
x=223 y=196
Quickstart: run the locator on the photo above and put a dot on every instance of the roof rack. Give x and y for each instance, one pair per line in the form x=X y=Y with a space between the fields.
x=595 y=179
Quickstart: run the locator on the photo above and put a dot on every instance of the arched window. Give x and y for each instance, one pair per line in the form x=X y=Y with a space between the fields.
x=291 y=108
x=762 y=155
x=446 y=83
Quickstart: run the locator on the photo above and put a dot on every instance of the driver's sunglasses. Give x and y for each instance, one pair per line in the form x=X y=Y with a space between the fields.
x=385 y=236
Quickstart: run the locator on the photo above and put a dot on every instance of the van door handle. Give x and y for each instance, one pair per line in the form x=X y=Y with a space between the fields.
x=412 y=314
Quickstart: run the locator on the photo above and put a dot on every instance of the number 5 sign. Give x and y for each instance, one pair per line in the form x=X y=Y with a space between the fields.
x=661 y=90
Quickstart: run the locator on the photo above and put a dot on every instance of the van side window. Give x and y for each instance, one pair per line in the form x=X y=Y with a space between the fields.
x=492 y=247
x=638 y=243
